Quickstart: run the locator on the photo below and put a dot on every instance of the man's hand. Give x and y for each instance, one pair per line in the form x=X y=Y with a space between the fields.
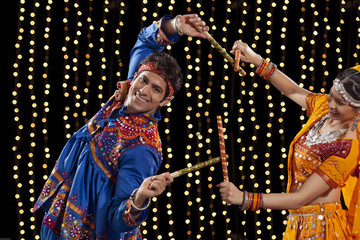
x=152 y=187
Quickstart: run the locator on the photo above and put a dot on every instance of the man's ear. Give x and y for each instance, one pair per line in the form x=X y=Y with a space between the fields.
x=166 y=101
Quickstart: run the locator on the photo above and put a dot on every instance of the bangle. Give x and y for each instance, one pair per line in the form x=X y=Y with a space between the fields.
x=252 y=201
x=177 y=29
x=132 y=197
x=245 y=201
x=266 y=69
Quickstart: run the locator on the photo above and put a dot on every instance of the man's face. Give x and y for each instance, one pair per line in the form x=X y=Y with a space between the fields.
x=146 y=94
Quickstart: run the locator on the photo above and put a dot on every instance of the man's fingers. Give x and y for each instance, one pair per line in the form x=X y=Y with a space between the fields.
x=168 y=178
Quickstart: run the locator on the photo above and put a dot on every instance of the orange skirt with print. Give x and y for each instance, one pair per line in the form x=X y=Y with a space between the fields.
x=319 y=221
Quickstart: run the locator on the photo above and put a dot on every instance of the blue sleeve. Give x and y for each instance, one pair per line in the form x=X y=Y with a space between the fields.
x=150 y=39
x=136 y=164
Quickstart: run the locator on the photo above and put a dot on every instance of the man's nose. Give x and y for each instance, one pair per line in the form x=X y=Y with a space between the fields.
x=145 y=89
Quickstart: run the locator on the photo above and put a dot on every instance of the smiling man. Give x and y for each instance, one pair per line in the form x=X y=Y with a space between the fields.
x=153 y=85
x=102 y=184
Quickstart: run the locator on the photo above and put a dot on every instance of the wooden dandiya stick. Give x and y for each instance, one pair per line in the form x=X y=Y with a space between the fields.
x=237 y=60
x=222 y=50
x=222 y=149
x=183 y=171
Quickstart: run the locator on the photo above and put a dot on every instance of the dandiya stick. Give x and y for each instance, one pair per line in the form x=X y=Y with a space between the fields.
x=237 y=60
x=222 y=149
x=183 y=171
x=222 y=50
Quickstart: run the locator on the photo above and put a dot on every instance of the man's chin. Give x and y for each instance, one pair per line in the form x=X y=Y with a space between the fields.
x=135 y=108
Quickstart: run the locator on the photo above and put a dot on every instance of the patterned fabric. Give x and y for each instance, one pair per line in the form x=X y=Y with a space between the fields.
x=163 y=38
x=319 y=221
x=336 y=162
x=319 y=158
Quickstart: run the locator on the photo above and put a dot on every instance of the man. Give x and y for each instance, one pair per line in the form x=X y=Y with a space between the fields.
x=103 y=181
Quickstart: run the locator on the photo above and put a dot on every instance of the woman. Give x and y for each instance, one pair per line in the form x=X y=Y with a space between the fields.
x=323 y=158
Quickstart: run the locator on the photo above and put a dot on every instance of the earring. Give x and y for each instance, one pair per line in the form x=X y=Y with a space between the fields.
x=355 y=121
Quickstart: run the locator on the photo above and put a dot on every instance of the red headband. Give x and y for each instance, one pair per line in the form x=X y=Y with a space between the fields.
x=151 y=66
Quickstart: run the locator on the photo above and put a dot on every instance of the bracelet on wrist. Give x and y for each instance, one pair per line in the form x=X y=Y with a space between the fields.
x=177 y=29
x=132 y=197
x=266 y=69
x=252 y=201
x=245 y=201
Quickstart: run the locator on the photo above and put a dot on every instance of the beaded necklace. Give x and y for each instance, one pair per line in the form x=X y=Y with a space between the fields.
x=315 y=137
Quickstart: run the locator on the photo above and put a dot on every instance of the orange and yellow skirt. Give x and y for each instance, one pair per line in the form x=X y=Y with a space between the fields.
x=319 y=221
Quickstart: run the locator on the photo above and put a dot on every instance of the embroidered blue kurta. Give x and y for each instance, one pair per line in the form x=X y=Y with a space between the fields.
x=87 y=194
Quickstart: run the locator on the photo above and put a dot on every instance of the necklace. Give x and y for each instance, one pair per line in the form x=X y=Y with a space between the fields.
x=314 y=137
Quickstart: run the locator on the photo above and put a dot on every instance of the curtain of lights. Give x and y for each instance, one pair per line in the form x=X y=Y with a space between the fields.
x=70 y=54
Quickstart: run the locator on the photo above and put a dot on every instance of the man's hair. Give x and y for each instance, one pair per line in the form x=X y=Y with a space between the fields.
x=169 y=66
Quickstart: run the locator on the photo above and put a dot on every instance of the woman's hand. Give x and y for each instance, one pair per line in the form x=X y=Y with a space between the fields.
x=152 y=187
x=247 y=54
x=230 y=193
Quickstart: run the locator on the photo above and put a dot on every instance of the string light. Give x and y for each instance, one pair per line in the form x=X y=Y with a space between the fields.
x=270 y=122
x=18 y=155
x=88 y=55
x=339 y=37
x=313 y=41
x=45 y=107
x=326 y=46
x=34 y=110
x=357 y=46
x=302 y=56
x=103 y=74
x=282 y=130
x=223 y=100
x=188 y=122
x=254 y=148
x=75 y=62
x=240 y=122
x=208 y=93
x=66 y=76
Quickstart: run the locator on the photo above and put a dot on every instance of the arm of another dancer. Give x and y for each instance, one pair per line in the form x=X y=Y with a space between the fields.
x=282 y=82
x=312 y=189
x=323 y=185
x=160 y=34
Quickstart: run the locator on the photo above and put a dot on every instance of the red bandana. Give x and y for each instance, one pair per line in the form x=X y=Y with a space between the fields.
x=151 y=66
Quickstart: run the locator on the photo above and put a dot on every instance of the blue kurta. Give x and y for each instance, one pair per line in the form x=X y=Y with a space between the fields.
x=87 y=194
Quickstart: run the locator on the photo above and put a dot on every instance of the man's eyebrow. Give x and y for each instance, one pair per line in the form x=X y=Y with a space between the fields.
x=145 y=77
x=155 y=85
